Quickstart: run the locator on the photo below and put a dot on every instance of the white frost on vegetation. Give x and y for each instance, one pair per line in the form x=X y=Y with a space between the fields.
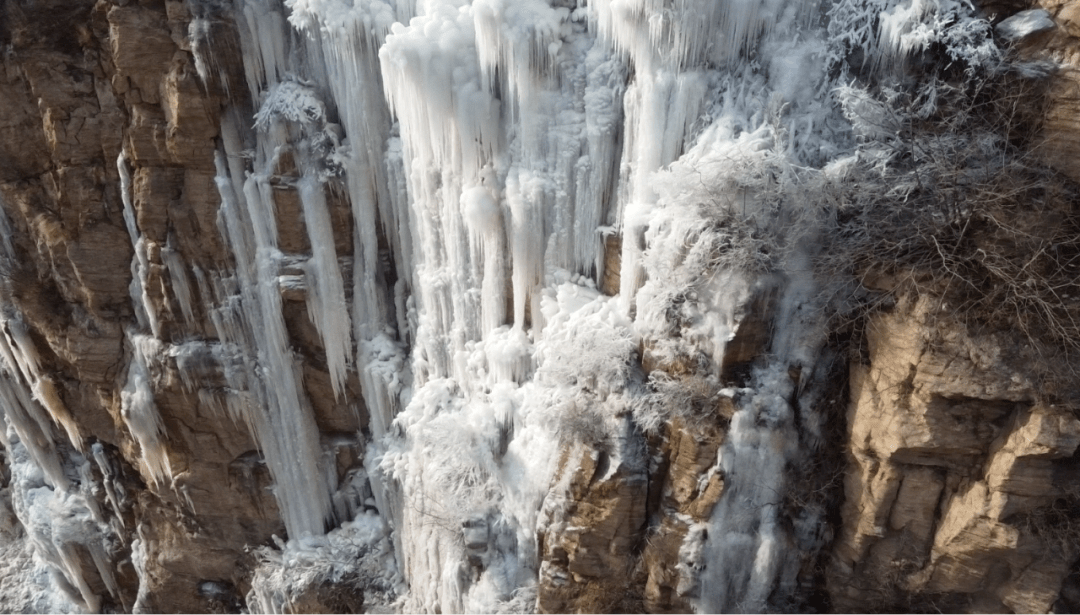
x=356 y=557
x=911 y=26
x=588 y=343
x=292 y=102
x=474 y=460
x=702 y=262
x=886 y=33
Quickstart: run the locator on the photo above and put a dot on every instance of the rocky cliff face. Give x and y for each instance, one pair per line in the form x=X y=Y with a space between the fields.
x=214 y=308
x=958 y=488
x=87 y=84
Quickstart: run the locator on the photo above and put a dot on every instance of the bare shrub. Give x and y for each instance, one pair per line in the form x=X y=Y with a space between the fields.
x=1057 y=526
x=945 y=198
x=612 y=595
x=583 y=419
x=695 y=398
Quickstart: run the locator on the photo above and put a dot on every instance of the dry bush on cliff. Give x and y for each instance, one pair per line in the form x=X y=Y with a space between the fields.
x=613 y=595
x=945 y=198
x=697 y=399
x=1057 y=525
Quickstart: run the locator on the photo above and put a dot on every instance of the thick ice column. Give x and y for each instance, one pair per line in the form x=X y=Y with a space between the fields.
x=680 y=52
x=596 y=175
x=263 y=37
x=561 y=93
x=248 y=315
x=139 y=410
x=326 y=295
x=526 y=201
x=251 y=321
x=661 y=108
x=450 y=131
x=484 y=218
x=533 y=103
x=688 y=33
x=174 y=262
x=346 y=38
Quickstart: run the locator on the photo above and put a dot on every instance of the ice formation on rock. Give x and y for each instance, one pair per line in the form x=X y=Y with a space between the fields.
x=489 y=150
x=491 y=145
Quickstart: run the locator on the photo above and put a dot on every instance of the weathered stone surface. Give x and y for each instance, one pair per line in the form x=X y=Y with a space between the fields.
x=98 y=256
x=141 y=48
x=955 y=464
x=329 y=597
x=291 y=237
x=591 y=522
x=610 y=278
x=689 y=485
x=689 y=333
x=1060 y=136
x=146 y=143
x=20 y=123
x=194 y=222
x=79 y=82
x=753 y=332
x=950 y=454
x=191 y=117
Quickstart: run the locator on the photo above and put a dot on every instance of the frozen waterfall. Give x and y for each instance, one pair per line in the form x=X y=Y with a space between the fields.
x=534 y=188
x=492 y=147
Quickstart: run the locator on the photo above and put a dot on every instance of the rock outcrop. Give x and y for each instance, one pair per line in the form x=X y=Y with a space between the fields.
x=955 y=497
x=84 y=85
x=1059 y=46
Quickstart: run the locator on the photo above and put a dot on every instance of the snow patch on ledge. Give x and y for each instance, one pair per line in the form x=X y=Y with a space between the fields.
x=1025 y=24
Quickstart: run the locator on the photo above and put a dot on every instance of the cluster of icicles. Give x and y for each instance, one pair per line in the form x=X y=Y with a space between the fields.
x=491 y=152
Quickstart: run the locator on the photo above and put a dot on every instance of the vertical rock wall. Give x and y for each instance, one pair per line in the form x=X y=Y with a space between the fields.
x=959 y=482
x=83 y=85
